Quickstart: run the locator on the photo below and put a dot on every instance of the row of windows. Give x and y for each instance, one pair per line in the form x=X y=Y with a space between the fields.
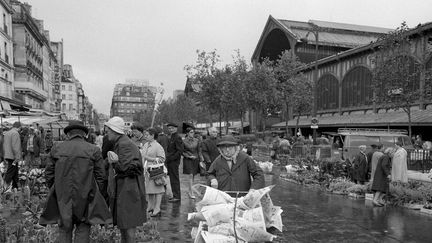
x=69 y=97
x=70 y=88
x=127 y=105
x=70 y=107
x=356 y=88
x=129 y=111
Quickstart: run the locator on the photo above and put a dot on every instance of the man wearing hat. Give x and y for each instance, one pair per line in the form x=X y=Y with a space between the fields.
x=174 y=152
x=233 y=169
x=74 y=173
x=12 y=154
x=128 y=199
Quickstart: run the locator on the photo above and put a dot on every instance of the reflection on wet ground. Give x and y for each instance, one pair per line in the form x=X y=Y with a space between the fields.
x=312 y=215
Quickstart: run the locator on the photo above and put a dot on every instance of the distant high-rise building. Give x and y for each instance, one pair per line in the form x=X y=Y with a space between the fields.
x=133 y=100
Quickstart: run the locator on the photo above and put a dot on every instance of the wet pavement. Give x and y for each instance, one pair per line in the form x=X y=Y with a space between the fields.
x=312 y=215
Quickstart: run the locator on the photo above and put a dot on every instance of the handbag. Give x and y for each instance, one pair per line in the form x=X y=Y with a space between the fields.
x=160 y=181
x=156 y=172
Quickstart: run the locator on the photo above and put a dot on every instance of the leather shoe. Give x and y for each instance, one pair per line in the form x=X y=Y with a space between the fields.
x=173 y=200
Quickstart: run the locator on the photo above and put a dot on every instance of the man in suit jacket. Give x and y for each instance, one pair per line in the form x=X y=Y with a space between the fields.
x=174 y=152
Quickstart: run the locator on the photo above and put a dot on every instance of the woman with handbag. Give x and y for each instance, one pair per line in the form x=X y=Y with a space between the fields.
x=155 y=172
x=192 y=157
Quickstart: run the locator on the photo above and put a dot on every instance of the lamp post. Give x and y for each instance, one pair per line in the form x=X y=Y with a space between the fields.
x=315 y=32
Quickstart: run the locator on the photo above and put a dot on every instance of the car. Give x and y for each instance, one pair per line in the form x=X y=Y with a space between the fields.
x=352 y=138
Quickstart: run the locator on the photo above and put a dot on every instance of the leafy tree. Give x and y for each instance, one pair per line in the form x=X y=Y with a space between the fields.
x=396 y=76
x=261 y=89
x=293 y=89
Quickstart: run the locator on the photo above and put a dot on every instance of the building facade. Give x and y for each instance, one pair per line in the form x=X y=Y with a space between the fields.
x=6 y=51
x=133 y=99
x=69 y=93
x=343 y=79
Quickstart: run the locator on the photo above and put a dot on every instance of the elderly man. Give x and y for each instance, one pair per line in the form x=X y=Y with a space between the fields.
x=75 y=172
x=174 y=152
x=12 y=154
x=233 y=170
x=128 y=202
x=360 y=166
x=209 y=147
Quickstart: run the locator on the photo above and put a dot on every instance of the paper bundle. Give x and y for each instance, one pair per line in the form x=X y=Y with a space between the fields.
x=254 y=213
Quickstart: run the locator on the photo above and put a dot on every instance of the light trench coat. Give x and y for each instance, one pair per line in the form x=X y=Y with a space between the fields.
x=399 y=166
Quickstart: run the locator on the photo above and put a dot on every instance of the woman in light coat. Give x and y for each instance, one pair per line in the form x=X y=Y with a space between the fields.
x=399 y=164
x=153 y=157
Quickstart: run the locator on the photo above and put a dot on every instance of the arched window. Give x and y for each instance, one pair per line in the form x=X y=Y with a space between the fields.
x=328 y=92
x=357 y=88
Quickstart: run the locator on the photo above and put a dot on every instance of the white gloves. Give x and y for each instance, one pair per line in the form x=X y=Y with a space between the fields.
x=214 y=183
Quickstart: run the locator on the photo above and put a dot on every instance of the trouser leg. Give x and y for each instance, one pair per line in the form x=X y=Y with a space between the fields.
x=65 y=234
x=128 y=235
x=174 y=178
x=82 y=233
x=12 y=174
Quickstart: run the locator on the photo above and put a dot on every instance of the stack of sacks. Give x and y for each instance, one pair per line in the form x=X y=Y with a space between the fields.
x=253 y=214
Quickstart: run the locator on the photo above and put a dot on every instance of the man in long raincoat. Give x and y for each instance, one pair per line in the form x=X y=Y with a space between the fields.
x=74 y=173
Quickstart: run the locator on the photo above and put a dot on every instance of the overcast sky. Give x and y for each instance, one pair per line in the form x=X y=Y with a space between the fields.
x=108 y=41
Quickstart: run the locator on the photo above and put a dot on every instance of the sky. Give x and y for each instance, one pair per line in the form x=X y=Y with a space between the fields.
x=109 y=41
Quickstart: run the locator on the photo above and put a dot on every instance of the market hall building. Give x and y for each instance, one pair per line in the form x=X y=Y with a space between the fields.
x=344 y=71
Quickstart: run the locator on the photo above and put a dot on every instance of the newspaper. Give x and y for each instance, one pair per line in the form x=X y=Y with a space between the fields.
x=254 y=213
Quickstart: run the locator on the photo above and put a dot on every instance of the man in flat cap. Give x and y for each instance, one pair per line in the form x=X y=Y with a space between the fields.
x=174 y=152
x=74 y=173
x=233 y=169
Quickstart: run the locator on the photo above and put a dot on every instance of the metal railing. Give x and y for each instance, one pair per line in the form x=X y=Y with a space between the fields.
x=419 y=160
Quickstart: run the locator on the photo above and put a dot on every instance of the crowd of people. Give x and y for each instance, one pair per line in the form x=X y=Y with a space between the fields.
x=120 y=177
x=380 y=166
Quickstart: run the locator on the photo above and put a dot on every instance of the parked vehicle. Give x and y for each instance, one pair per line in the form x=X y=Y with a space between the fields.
x=352 y=138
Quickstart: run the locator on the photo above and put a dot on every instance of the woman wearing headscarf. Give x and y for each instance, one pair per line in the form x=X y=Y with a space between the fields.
x=192 y=156
x=360 y=166
x=381 y=177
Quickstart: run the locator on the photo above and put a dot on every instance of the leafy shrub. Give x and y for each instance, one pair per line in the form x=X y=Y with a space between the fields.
x=340 y=185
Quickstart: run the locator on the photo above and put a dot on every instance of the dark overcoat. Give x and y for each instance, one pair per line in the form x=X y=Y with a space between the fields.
x=360 y=167
x=238 y=178
x=74 y=173
x=383 y=169
x=129 y=207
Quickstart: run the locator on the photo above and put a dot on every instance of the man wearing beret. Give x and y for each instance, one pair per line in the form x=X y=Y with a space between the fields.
x=233 y=169
x=74 y=173
x=174 y=152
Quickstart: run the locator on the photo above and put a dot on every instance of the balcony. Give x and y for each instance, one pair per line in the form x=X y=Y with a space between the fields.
x=31 y=89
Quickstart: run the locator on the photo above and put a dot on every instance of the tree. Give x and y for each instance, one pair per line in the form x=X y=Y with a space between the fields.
x=293 y=89
x=261 y=89
x=396 y=76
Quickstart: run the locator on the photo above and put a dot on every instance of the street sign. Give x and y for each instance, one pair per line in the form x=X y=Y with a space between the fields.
x=314 y=126
x=314 y=123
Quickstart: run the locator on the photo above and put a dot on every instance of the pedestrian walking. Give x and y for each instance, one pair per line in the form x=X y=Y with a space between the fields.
x=380 y=182
x=192 y=156
x=33 y=147
x=209 y=147
x=12 y=154
x=48 y=141
x=174 y=153
x=74 y=174
x=234 y=170
x=128 y=203
x=155 y=171
x=163 y=140
x=399 y=164
x=360 y=166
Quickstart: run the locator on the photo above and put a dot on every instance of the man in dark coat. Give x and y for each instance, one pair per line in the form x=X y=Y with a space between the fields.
x=209 y=147
x=74 y=173
x=174 y=152
x=380 y=183
x=128 y=202
x=233 y=170
x=360 y=166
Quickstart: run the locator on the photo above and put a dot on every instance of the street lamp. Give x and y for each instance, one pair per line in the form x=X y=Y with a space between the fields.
x=315 y=32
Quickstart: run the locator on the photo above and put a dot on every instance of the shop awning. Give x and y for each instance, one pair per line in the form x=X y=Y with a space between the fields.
x=391 y=118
